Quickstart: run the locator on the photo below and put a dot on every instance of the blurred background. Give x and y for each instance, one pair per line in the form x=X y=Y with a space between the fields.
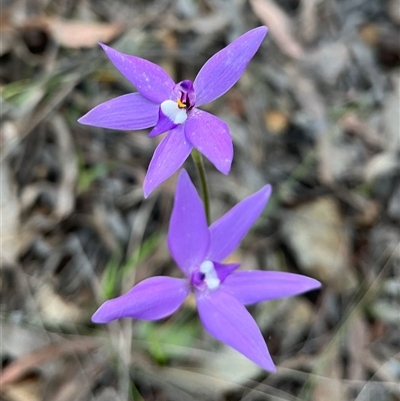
x=316 y=114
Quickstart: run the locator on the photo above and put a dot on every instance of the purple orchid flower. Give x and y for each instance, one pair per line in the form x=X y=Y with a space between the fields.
x=173 y=107
x=220 y=293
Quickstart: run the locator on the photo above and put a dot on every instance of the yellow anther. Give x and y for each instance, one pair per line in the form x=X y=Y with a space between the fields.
x=181 y=105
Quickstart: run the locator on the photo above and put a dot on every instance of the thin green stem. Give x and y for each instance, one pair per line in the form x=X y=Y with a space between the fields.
x=198 y=161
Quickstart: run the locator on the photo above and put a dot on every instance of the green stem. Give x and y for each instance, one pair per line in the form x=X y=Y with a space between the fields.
x=198 y=161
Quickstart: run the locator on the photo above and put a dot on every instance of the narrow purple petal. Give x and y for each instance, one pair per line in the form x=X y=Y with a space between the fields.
x=210 y=136
x=149 y=79
x=254 y=286
x=127 y=112
x=169 y=155
x=226 y=319
x=188 y=236
x=151 y=299
x=229 y=230
x=164 y=124
x=224 y=271
x=224 y=69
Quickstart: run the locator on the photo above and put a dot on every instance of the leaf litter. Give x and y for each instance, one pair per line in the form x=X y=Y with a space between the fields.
x=316 y=115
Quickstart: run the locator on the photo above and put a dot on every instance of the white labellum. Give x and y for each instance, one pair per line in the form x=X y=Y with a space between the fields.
x=211 y=276
x=173 y=112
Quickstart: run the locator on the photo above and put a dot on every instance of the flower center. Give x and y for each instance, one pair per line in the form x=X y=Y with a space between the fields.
x=206 y=276
x=174 y=112
x=182 y=100
x=186 y=96
x=181 y=105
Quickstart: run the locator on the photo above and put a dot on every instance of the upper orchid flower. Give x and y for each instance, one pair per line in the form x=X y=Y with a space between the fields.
x=173 y=107
x=220 y=293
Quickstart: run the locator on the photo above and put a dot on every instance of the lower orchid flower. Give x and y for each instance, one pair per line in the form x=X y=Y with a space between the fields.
x=172 y=108
x=220 y=292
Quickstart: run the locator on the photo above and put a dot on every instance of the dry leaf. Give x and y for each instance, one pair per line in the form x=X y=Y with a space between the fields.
x=317 y=234
x=393 y=7
x=24 y=390
x=78 y=34
x=66 y=154
x=391 y=116
x=7 y=40
x=357 y=341
x=330 y=387
x=381 y=165
x=308 y=20
x=55 y=309
x=23 y=365
x=353 y=124
x=299 y=319
x=108 y=394
x=224 y=370
x=9 y=212
x=326 y=64
x=279 y=26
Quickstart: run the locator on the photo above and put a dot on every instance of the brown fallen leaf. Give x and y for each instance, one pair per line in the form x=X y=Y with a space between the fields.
x=357 y=341
x=7 y=40
x=351 y=123
x=224 y=369
x=67 y=157
x=328 y=381
x=77 y=381
x=54 y=308
x=106 y=394
x=308 y=20
x=317 y=234
x=18 y=368
x=279 y=25
x=10 y=219
x=391 y=117
x=78 y=34
x=393 y=7
x=24 y=390
x=8 y=37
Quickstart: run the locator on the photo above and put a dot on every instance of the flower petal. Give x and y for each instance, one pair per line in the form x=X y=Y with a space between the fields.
x=229 y=230
x=188 y=236
x=149 y=79
x=224 y=69
x=167 y=158
x=151 y=299
x=254 y=286
x=224 y=271
x=164 y=124
x=210 y=136
x=226 y=319
x=170 y=115
x=127 y=112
